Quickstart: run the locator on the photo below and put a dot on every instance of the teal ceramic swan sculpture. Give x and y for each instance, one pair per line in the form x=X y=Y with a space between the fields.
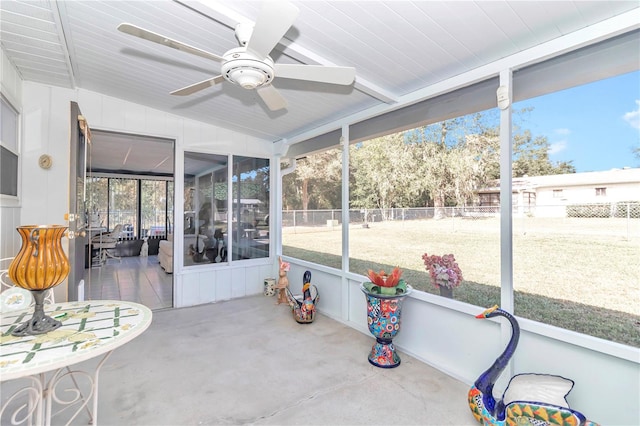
x=530 y=399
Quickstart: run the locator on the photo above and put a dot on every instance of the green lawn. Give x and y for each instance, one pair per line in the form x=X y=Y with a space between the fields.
x=578 y=274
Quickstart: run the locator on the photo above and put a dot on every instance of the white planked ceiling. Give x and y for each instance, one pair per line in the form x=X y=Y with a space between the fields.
x=397 y=48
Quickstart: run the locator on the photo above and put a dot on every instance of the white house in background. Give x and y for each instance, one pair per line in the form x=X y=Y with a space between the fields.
x=550 y=195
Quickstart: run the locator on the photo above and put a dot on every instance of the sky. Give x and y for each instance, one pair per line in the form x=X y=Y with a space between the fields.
x=596 y=125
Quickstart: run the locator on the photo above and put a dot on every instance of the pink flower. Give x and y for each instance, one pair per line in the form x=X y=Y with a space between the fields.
x=443 y=270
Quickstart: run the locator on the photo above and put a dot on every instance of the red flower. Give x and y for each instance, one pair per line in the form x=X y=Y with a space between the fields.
x=383 y=280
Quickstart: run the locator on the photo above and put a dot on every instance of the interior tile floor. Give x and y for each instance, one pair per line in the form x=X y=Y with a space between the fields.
x=134 y=279
x=247 y=362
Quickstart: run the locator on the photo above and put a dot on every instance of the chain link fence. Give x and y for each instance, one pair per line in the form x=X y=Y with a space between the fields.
x=619 y=219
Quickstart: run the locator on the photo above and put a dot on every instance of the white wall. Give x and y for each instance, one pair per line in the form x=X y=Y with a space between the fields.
x=616 y=192
x=445 y=334
x=206 y=285
x=11 y=88
x=46 y=116
x=46 y=122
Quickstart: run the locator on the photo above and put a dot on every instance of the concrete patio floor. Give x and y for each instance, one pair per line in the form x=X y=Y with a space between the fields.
x=246 y=361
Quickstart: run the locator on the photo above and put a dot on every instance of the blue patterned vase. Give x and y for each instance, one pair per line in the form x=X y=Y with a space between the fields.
x=383 y=317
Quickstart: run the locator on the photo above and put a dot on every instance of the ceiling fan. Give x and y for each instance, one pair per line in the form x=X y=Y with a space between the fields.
x=250 y=65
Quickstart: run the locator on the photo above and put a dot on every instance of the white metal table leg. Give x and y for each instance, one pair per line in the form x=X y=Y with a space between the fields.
x=77 y=397
x=30 y=412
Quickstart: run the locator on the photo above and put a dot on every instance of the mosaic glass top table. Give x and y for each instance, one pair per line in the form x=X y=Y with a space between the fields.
x=89 y=329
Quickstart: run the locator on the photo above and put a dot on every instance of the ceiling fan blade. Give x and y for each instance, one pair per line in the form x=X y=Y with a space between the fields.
x=272 y=97
x=319 y=73
x=273 y=22
x=198 y=86
x=165 y=41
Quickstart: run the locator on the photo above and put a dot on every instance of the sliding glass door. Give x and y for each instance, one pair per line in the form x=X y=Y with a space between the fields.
x=219 y=231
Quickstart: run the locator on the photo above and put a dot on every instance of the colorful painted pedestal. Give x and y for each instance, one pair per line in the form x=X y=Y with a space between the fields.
x=383 y=318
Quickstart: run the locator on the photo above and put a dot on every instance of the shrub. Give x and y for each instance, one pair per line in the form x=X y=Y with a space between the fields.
x=589 y=210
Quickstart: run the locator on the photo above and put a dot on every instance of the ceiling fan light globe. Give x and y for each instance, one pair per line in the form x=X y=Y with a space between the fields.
x=248 y=78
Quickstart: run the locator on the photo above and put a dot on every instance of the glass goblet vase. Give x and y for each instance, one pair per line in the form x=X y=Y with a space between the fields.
x=40 y=265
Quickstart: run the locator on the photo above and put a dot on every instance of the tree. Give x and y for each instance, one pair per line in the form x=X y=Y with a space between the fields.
x=462 y=154
x=453 y=157
x=380 y=173
x=531 y=157
x=316 y=182
x=440 y=165
x=290 y=192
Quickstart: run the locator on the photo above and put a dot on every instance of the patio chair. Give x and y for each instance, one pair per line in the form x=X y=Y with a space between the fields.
x=14 y=297
x=105 y=244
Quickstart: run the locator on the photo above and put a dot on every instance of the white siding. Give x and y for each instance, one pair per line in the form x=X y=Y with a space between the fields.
x=46 y=120
x=11 y=87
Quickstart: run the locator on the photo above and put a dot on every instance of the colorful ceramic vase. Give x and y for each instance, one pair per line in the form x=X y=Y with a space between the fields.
x=383 y=318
